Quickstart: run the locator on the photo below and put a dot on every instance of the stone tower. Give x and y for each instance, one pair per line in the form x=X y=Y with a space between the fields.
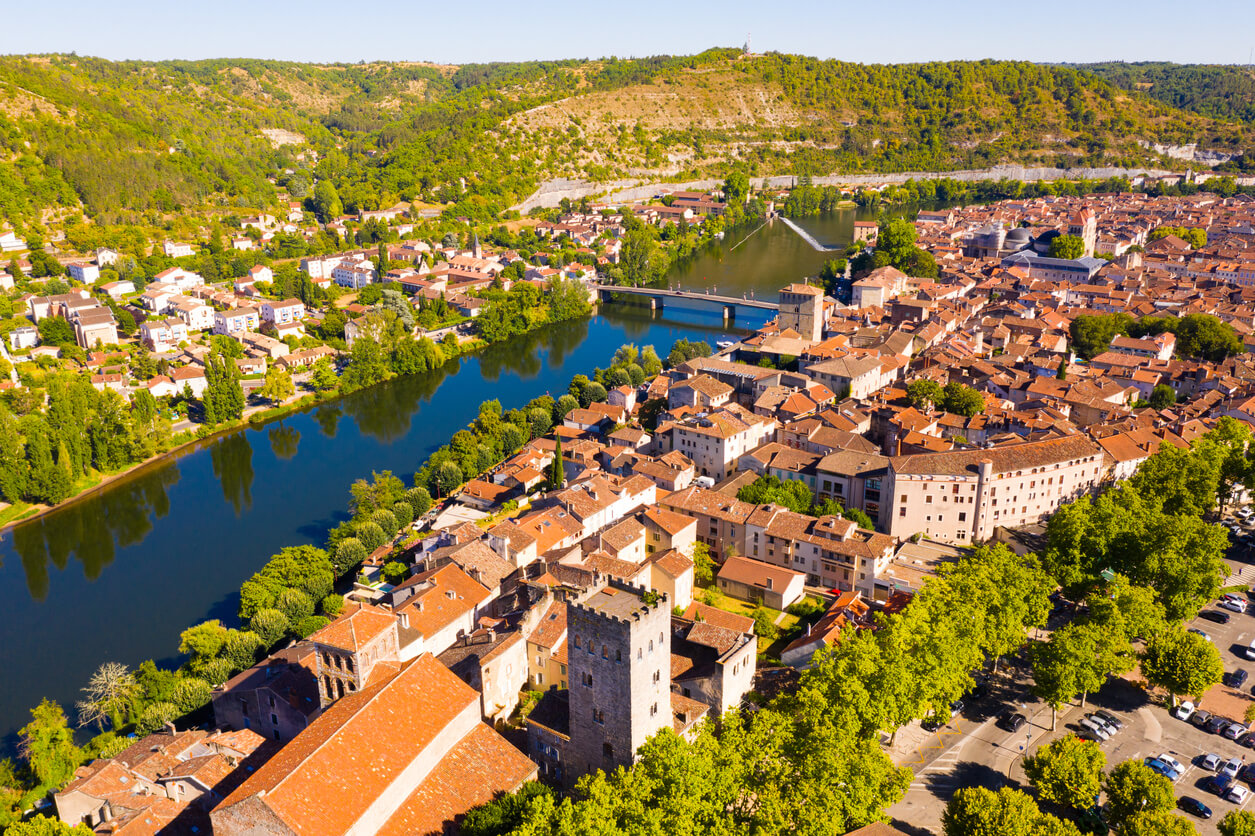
x=619 y=675
x=802 y=309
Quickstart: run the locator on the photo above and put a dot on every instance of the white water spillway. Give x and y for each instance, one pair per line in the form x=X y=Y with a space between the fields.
x=807 y=237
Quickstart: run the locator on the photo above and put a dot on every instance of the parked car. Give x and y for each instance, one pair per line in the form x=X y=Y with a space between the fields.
x=1209 y=762
x=1218 y=784
x=1200 y=718
x=1199 y=632
x=1234 y=731
x=1237 y=794
x=1194 y=807
x=1183 y=711
x=1217 y=724
x=1236 y=678
x=1231 y=767
x=1232 y=604
x=1248 y=772
x=1250 y=650
x=1097 y=728
x=1163 y=768
x=1212 y=615
x=1104 y=722
x=1111 y=719
x=1011 y=721
x=1173 y=762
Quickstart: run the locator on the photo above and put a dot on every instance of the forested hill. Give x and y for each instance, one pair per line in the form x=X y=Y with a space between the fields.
x=134 y=142
x=1218 y=91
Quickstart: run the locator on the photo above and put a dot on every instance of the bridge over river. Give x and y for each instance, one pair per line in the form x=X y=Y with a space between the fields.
x=657 y=296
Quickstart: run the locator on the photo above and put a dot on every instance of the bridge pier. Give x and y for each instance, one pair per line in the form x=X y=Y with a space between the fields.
x=729 y=313
x=655 y=304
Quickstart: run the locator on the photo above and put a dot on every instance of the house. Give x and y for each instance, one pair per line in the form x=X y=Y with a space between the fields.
x=433 y=759
x=354 y=275
x=184 y=280
x=277 y=697
x=83 y=272
x=436 y=608
x=163 y=334
x=161 y=779
x=236 y=321
x=192 y=377
x=716 y=440
x=848 y=610
x=761 y=583
x=118 y=289
x=282 y=313
x=95 y=326
x=10 y=243
x=196 y=315
x=963 y=495
x=174 y=249
x=23 y=337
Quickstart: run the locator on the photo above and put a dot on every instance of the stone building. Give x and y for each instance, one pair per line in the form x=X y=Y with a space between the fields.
x=348 y=649
x=619 y=665
x=802 y=310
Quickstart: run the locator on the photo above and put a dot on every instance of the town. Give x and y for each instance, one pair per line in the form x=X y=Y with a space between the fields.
x=675 y=542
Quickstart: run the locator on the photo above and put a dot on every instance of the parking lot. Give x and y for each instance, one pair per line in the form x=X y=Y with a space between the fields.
x=974 y=751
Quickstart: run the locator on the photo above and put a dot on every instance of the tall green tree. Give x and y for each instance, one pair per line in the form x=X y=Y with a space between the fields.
x=1068 y=771
x=1133 y=788
x=47 y=745
x=1181 y=662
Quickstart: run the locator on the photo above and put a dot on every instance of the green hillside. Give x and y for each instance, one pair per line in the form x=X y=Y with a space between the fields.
x=135 y=142
x=1218 y=91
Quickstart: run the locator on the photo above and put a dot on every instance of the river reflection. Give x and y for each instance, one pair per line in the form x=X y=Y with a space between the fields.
x=92 y=531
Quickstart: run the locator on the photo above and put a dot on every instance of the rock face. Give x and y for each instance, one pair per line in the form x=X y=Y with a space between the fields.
x=1190 y=153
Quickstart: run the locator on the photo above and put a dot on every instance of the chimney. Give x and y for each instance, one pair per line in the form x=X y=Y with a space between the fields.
x=170 y=730
x=404 y=618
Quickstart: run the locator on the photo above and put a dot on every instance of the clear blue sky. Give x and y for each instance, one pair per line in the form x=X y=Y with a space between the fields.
x=872 y=31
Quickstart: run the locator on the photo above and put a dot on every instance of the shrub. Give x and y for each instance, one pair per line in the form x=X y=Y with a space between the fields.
x=270 y=625
x=764 y=623
x=403 y=512
x=419 y=499
x=191 y=693
x=310 y=625
x=243 y=646
x=332 y=605
x=386 y=521
x=371 y=535
x=295 y=605
x=394 y=572
x=155 y=717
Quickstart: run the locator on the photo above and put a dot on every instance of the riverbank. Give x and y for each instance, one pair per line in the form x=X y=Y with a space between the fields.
x=18 y=513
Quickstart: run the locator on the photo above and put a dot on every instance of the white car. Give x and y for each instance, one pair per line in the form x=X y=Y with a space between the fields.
x=1250 y=651
x=1231 y=768
x=1174 y=763
x=1199 y=632
x=1098 y=729
x=1232 y=605
x=1183 y=711
x=1210 y=762
x=1237 y=794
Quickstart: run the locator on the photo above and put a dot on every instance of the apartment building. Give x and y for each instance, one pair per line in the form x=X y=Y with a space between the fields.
x=960 y=496
x=714 y=441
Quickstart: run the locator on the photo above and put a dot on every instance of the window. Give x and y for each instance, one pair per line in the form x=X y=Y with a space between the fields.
x=276 y=734
x=607 y=751
x=902 y=512
x=653 y=709
x=657 y=676
x=599 y=717
x=274 y=719
x=962 y=516
x=587 y=680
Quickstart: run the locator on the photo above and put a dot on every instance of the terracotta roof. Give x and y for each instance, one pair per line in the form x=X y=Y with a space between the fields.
x=445 y=595
x=356 y=627
x=719 y=618
x=472 y=773
x=326 y=778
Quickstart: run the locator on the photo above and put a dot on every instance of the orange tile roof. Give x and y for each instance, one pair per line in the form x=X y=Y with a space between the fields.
x=356 y=627
x=472 y=773
x=322 y=782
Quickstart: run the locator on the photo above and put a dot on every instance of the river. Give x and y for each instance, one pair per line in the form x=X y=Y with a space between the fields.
x=118 y=575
